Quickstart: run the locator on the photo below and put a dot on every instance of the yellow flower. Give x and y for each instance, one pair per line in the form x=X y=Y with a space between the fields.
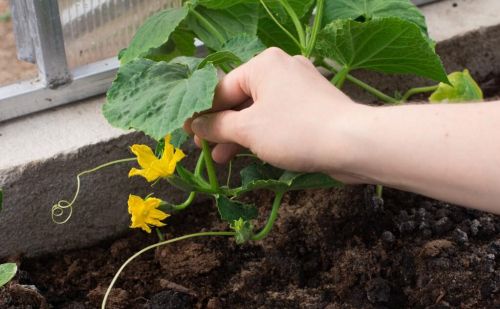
x=152 y=167
x=145 y=213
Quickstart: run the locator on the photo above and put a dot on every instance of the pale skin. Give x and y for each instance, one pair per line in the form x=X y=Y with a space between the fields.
x=284 y=111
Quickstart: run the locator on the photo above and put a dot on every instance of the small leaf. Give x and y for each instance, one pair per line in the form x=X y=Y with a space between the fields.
x=231 y=211
x=464 y=89
x=244 y=46
x=231 y=22
x=243 y=230
x=387 y=45
x=221 y=57
x=157 y=97
x=7 y=272
x=314 y=181
x=366 y=10
x=154 y=32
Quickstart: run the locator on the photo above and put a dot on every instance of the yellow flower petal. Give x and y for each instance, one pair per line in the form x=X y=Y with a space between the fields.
x=145 y=155
x=134 y=201
x=145 y=213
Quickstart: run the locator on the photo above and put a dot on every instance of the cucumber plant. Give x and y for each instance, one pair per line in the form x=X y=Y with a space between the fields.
x=161 y=83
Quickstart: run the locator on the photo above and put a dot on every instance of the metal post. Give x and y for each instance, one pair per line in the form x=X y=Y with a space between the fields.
x=24 y=42
x=48 y=42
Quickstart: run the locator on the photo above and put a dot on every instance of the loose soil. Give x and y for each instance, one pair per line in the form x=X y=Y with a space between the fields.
x=329 y=249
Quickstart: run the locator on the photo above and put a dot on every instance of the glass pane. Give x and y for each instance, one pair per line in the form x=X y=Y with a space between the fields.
x=11 y=69
x=99 y=29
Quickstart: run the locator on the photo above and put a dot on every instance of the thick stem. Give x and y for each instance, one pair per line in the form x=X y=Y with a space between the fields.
x=276 y=21
x=208 y=26
x=418 y=90
x=209 y=163
x=103 y=306
x=296 y=22
x=272 y=218
x=192 y=195
x=318 y=20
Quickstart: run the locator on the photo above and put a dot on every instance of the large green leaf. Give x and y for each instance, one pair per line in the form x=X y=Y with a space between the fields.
x=157 y=97
x=272 y=36
x=221 y=4
x=154 y=32
x=231 y=210
x=244 y=46
x=181 y=43
x=388 y=45
x=264 y=176
x=463 y=89
x=7 y=272
x=231 y=22
x=300 y=7
x=372 y=9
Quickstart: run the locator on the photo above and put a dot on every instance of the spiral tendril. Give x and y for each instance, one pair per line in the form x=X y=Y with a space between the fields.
x=62 y=210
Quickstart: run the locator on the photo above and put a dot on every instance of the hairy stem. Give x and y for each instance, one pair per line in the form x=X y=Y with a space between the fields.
x=374 y=91
x=209 y=164
x=418 y=90
x=272 y=218
x=296 y=22
x=108 y=291
x=318 y=20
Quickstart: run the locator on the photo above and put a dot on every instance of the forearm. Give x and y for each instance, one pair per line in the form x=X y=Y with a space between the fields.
x=449 y=152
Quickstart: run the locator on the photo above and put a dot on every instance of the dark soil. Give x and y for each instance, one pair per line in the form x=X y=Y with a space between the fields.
x=329 y=249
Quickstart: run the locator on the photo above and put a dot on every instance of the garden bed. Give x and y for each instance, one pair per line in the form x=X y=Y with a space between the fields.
x=329 y=249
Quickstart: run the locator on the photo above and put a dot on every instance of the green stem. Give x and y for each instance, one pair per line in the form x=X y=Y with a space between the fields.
x=209 y=163
x=318 y=20
x=279 y=24
x=272 y=218
x=296 y=22
x=339 y=78
x=192 y=195
x=59 y=208
x=418 y=90
x=229 y=172
x=161 y=237
x=375 y=92
x=208 y=26
x=108 y=291
x=379 y=191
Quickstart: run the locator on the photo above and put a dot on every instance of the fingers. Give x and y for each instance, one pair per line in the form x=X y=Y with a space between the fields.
x=222 y=127
x=223 y=153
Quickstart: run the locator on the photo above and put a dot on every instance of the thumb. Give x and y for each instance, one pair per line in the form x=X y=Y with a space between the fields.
x=222 y=127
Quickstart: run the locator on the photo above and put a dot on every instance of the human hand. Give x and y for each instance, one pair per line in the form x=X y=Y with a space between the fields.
x=281 y=109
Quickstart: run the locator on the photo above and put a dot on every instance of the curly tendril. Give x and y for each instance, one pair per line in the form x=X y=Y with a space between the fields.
x=62 y=210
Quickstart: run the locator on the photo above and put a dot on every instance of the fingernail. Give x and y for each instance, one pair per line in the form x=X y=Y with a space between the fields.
x=199 y=125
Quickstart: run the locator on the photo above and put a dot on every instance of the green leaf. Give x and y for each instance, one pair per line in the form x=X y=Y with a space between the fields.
x=191 y=62
x=187 y=181
x=463 y=89
x=272 y=36
x=221 y=57
x=231 y=211
x=366 y=10
x=157 y=97
x=244 y=46
x=221 y=4
x=231 y=22
x=7 y=272
x=300 y=7
x=243 y=230
x=264 y=176
x=179 y=137
x=181 y=43
x=154 y=32
x=387 y=45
